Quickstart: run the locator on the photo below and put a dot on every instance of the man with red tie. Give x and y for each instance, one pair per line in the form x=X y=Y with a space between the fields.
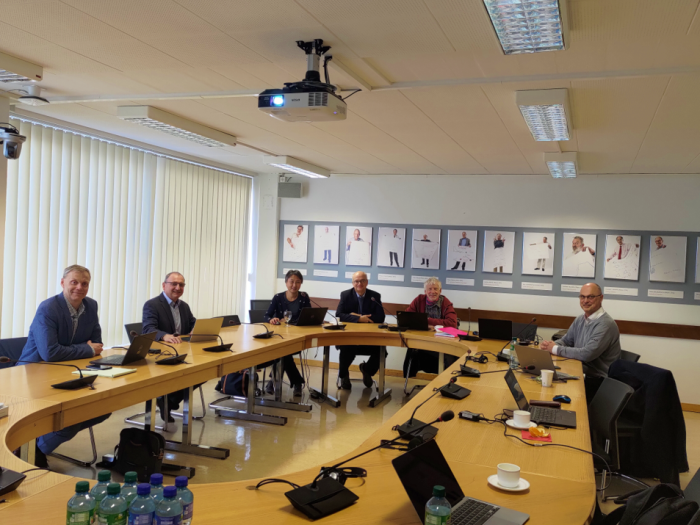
x=622 y=249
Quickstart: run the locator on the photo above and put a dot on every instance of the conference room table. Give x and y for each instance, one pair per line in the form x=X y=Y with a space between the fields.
x=562 y=484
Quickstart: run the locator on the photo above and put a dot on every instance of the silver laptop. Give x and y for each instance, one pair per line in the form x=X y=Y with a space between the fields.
x=205 y=330
x=539 y=359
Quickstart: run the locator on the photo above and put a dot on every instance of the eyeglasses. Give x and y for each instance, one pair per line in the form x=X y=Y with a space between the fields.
x=175 y=285
x=588 y=297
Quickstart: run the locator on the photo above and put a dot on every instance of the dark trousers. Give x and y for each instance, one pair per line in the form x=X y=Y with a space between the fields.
x=327 y=255
x=177 y=397
x=50 y=442
x=392 y=256
x=348 y=354
x=290 y=368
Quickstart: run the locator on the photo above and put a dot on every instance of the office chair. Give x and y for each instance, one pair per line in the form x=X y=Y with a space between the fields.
x=230 y=320
x=257 y=316
x=260 y=304
x=692 y=491
x=629 y=356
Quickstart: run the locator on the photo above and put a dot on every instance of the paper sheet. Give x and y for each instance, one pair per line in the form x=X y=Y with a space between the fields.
x=113 y=372
x=581 y=264
x=537 y=251
x=627 y=268
x=358 y=254
x=667 y=265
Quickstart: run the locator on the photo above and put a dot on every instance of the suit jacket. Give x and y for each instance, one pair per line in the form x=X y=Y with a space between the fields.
x=51 y=332
x=158 y=317
x=349 y=303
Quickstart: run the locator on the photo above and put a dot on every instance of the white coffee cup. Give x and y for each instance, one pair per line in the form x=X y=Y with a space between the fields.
x=521 y=418
x=508 y=475
x=547 y=377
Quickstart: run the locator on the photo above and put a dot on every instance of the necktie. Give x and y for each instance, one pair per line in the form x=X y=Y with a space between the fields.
x=619 y=254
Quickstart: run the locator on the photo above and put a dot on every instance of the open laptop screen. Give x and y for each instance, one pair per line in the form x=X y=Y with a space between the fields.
x=516 y=390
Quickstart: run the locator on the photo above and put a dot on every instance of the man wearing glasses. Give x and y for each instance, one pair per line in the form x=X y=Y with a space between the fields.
x=593 y=338
x=171 y=317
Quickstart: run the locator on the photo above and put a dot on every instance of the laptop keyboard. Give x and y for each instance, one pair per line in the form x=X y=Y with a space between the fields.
x=112 y=360
x=472 y=512
x=543 y=415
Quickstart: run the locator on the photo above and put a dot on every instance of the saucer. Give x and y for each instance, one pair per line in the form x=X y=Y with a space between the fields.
x=523 y=484
x=512 y=424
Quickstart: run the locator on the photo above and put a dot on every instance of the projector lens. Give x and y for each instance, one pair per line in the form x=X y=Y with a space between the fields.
x=277 y=100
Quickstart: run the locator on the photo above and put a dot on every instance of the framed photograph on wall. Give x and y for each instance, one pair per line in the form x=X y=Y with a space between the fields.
x=426 y=249
x=358 y=246
x=391 y=247
x=622 y=257
x=538 y=253
x=461 y=250
x=499 y=247
x=667 y=259
x=579 y=255
x=296 y=242
x=326 y=243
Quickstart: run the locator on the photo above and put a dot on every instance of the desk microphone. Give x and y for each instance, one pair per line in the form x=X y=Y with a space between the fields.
x=412 y=425
x=386 y=312
x=72 y=384
x=267 y=335
x=501 y=356
x=469 y=330
x=336 y=326
x=216 y=348
x=171 y=360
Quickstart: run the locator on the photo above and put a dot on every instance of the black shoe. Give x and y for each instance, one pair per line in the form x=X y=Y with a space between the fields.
x=40 y=458
x=366 y=378
x=297 y=389
x=345 y=383
x=160 y=403
x=270 y=387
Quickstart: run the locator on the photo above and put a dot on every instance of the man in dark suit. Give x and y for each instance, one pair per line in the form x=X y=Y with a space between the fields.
x=171 y=317
x=65 y=327
x=359 y=305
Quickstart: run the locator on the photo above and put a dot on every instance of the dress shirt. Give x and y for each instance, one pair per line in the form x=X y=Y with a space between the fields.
x=175 y=309
x=464 y=241
x=75 y=314
x=360 y=298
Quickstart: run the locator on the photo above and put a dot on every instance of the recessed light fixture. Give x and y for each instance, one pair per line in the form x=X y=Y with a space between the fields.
x=297 y=166
x=33 y=97
x=562 y=165
x=176 y=126
x=546 y=113
x=528 y=26
x=13 y=69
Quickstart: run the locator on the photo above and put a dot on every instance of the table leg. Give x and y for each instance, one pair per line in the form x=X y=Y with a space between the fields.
x=277 y=401
x=382 y=392
x=322 y=395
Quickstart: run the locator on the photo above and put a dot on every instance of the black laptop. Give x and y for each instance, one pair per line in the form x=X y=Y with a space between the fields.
x=412 y=321
x=137 y=350
x=424 y=467
x=496 y=329
x=311 y=317
x=540 y=415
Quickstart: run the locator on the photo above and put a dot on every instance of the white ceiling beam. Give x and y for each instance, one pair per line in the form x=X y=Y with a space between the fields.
x=339 y=66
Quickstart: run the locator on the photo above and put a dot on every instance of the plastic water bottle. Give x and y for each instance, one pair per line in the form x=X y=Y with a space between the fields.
x=438 y=510
x=142 y=510
x=514 y=363
x=186 y=499
x=129 y=487
x=157 y=487
x=169 y=509
x=113 y=509
x=81 y=507
x=99 y=491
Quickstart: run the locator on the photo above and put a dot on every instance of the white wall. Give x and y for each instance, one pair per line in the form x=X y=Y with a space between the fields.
x=632 y=202
x=4 y=117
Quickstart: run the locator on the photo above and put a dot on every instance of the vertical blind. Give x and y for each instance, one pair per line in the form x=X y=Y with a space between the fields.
x=130 y=217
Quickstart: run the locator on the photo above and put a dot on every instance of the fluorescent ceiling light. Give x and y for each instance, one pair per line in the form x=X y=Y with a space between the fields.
x=528 y=26
x=297 y=166
x=14 y=69
x=180 y=127
x=562 y=165
x=546 y=113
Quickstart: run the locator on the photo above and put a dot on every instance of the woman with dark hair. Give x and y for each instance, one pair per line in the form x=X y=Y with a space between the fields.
x=287 y=306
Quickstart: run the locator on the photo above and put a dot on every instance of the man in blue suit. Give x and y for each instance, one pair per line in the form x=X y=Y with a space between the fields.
x=171 y=317
x=65 y=327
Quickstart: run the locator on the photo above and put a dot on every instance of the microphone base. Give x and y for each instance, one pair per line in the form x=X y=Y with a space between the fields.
x=75 y=384
x=467 y=371
x=266 y=335
x=426 y=434
x=10 y=480
x=469 y=338
x=503 y=357
x=219 y=348
x=454 y=391
x=334 y=327
x=174 y=360
x=327 y=497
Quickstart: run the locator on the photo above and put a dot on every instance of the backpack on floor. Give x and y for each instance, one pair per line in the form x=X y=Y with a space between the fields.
x=661 y=504
x=139 y=450
x=234 y=384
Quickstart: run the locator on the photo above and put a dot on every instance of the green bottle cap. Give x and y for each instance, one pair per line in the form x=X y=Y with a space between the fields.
x=104 y=475
x=114 y=488
x=130 y=477
x=82 y=486
x=439 y=491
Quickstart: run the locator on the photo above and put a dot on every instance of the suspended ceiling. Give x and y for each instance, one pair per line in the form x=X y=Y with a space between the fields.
x=442 y=98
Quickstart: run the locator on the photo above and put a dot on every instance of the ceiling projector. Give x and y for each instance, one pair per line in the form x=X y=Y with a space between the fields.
x=309 y=100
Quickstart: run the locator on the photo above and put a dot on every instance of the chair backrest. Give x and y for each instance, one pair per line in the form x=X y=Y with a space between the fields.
x=692 y=491
x=230 y=320
x=629 y=356
x=260 y=304
x=696 y=519
x=257 y=316
x=11 y=348
x=603 y=412
x=133 y=327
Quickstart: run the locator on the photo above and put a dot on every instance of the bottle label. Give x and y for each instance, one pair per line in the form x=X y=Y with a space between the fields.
x=432 y=519
x=168 y=520
x=113 y=519
x=81 y=518
x=141 y=519
x=187 y=511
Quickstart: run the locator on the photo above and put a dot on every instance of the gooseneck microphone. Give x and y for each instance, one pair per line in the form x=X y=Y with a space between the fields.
x=170 y=360
x=268 y=333
x=413 y=425
x=72 y=384
x=505 y=358
x=469 y=329
x=336 y=326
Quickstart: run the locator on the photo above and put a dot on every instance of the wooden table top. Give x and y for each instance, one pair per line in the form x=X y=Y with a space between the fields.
x=562 y=482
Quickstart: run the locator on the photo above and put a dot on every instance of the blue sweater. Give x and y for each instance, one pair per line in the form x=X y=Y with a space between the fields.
x=51 y=332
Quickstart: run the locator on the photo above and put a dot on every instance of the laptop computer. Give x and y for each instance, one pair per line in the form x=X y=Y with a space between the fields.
x=543 y=415
x=539 y=359
x=495 y=329
x=204 y=330
x=311 y=317
x=412 y=321
x=138 y=349
x=424 y=467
